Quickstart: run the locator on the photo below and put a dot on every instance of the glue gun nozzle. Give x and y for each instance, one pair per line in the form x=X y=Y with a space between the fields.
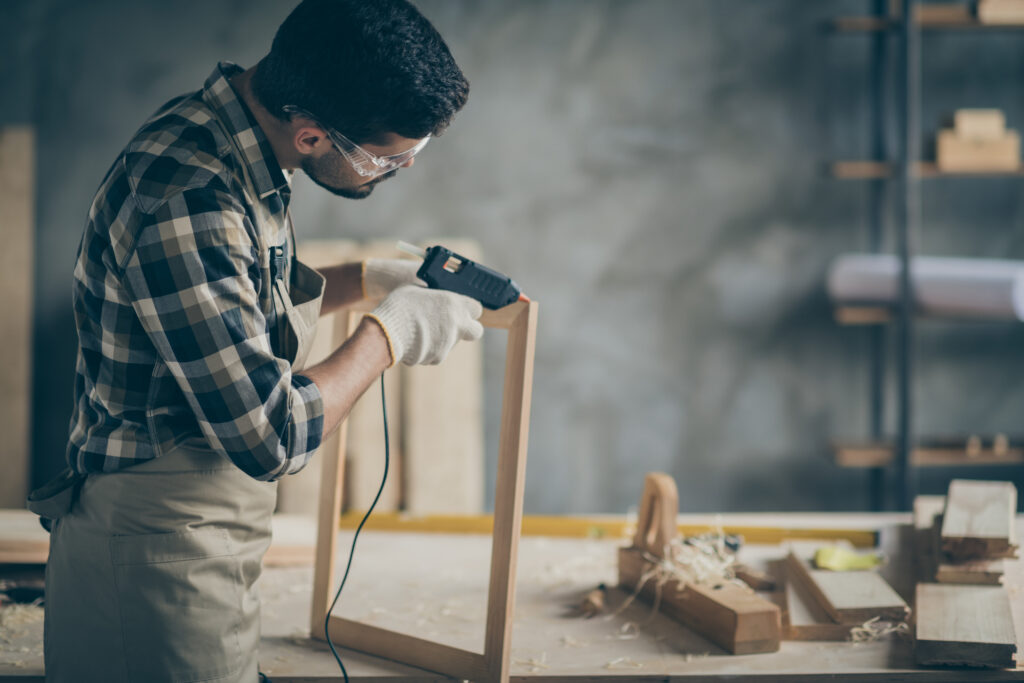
x=525 y=299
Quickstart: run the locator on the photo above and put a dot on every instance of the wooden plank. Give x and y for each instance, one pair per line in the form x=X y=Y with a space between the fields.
x=849 y=597
x=425 y=654
x=880 y=454
x=732 y=616
x=979 y=519
x=964 y=626
x=17 y=209
x=443 y=443
x=508 y=498
x=802 y=617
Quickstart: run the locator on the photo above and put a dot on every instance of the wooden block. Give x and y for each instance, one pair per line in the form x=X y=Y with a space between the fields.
x=979 y=124
x=731 y=616
x=978 y=521
x=1001 y=11
x=443 y=445
x=964 y=626
x=957 y=154
x=803 y=618
x=850 y=597
x=17 y=209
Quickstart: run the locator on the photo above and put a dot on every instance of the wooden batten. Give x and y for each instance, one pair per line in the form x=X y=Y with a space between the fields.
x=17 y=217
x=848 y=597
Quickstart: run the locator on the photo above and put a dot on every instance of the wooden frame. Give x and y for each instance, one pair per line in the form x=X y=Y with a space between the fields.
x=520 y=319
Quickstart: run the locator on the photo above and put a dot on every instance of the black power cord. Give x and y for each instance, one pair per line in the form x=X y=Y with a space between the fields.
x=352 y=550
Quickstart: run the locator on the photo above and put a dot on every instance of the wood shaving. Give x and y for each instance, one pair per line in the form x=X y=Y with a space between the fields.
x=623 y=663
x=874 y=629
x=535 y=663
x=569 y=641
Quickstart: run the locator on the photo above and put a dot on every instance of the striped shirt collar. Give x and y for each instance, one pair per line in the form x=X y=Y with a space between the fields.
x=256 y=151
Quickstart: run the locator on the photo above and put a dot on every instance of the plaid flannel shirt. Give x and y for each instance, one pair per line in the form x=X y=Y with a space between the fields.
x=177 y=334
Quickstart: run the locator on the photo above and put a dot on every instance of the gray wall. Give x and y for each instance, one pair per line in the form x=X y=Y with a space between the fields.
x=650 y=171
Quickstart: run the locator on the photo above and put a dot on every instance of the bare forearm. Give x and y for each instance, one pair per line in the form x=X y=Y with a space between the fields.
x=348 y=372
x=344 y=286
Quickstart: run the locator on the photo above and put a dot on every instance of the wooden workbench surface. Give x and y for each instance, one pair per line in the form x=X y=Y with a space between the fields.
x=434 y=586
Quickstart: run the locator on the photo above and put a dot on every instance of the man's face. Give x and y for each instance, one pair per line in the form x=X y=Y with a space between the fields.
x=335 y=174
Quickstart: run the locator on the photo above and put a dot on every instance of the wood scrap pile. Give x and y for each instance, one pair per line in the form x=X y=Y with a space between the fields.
x=964 y=542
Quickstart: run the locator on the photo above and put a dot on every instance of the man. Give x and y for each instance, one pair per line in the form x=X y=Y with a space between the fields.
x=194 y=320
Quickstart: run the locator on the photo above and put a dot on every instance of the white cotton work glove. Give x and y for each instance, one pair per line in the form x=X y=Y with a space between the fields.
x=422 y=325
x=381 y=276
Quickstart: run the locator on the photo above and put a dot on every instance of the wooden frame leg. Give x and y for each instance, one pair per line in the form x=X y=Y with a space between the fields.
x=520 y=319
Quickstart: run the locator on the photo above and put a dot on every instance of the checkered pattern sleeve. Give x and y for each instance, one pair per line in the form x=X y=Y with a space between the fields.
x=193 y=278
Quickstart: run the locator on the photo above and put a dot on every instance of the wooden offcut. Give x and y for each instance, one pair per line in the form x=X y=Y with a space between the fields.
x=520 y=319
x=1008 y=12
x=848 y=597
x=978 y=521
x=964 y=626
x=730 y=615
x=802 y=617
x=17 y=208
x=971 y=155
x=979 y=124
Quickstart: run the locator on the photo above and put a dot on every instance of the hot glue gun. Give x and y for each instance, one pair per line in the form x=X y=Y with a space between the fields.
x=444 y=269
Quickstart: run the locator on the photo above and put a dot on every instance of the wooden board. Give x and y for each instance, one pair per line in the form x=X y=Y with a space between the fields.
x=17 y=209
x=964 y=626
x=979 y=519
x=803 y=618
x=848 y=597
x=933 y=565
x=732 y=616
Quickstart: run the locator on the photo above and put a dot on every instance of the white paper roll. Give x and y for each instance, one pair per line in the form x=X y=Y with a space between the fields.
x=959 y=287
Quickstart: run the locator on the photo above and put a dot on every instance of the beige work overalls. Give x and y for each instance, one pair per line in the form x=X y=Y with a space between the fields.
x=152 y=569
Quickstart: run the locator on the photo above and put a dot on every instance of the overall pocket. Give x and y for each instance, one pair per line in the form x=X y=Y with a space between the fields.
x=180 y=599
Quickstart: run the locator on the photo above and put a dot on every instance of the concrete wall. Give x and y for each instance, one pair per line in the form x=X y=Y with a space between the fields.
x=649 y=170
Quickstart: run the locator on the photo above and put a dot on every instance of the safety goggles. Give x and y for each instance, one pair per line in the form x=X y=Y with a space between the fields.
x=365 y=163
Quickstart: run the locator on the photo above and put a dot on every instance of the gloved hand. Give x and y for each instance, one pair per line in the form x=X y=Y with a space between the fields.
x=382 y=276
x=422 y=325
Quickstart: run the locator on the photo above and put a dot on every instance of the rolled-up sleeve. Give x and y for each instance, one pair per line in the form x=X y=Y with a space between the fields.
x=193 y=276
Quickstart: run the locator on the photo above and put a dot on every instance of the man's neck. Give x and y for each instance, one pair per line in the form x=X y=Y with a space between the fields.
x=275 y=131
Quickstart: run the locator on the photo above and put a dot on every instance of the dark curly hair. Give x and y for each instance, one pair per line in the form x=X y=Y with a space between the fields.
x=363 y=67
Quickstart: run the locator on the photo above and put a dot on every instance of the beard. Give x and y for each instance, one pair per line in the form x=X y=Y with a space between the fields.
x=319 y=169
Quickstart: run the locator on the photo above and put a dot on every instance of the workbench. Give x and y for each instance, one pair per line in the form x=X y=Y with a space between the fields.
x=434 y=586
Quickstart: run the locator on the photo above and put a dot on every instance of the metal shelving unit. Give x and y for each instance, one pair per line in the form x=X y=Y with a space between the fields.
x=900 y=171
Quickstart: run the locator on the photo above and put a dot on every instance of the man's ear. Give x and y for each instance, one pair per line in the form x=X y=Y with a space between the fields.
x=310 y=140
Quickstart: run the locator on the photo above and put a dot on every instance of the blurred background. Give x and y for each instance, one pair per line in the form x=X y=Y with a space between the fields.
x=656 y=173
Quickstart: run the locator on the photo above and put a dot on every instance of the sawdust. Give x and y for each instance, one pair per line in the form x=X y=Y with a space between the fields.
x=569 y=641
x=875 y=629
x=15 y=618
